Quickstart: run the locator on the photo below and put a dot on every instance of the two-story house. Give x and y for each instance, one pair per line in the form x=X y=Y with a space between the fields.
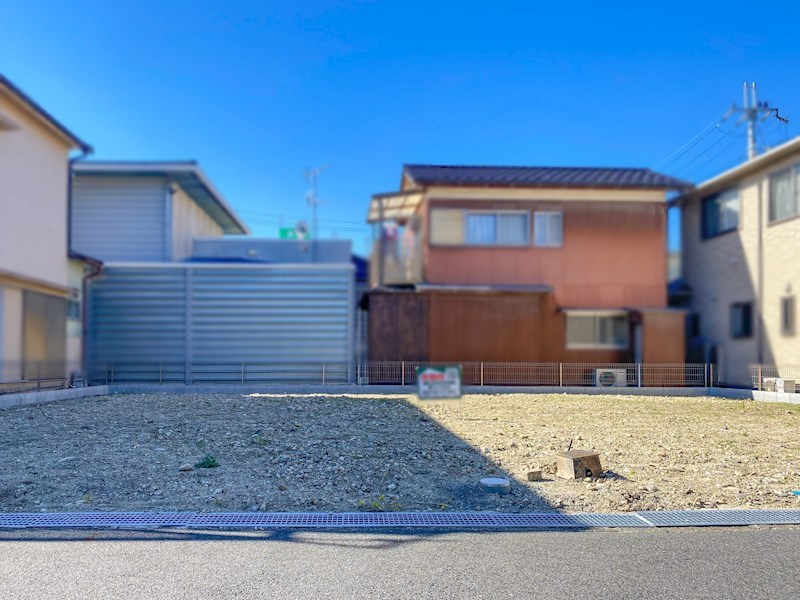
x=523 y=264
x=40 y=323
x=741 y=264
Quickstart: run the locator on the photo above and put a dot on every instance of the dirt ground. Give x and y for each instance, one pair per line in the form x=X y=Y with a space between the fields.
x=338 y=453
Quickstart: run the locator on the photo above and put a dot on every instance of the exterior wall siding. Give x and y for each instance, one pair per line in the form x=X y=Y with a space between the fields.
x=75 y=325
x=470 y=327
x=613 y=255
x=725 y=269
x=781 y=279
x=189 y=221
x=11 y=330
x=721 y=271
x=33 y=195
x=120 y=218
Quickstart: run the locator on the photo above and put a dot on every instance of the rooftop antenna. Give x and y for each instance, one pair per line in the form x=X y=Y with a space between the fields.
x=311 y=197
x=750 y=110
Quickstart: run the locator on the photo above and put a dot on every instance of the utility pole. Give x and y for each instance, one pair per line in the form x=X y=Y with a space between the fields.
x=751 y=109
x=311 y=197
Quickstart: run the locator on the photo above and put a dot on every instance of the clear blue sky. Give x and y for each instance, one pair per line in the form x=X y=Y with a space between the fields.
x=256 y=91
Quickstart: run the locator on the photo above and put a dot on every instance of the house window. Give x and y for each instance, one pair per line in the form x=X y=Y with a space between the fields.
x=741 y=320
x=784 y=194
x=597 y=331
x=481 y=229
x=548 y=229
x=720 y=213
x=496 y=229
x=457 y=227
x=788 y=316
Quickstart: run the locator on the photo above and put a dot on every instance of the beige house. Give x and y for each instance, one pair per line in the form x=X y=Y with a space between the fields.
x=741 y=263
x=35 y=286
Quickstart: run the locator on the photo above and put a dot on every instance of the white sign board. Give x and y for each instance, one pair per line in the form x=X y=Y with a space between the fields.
x=437 y=383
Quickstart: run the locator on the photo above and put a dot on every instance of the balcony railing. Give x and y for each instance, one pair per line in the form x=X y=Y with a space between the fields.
x=396 y=262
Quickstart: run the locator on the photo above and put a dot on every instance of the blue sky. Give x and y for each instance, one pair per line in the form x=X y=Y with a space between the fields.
x=257 y=91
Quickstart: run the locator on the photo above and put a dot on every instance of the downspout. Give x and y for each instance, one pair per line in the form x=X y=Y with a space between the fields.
x=98 y=270
x=760 y=283
x=85 y=151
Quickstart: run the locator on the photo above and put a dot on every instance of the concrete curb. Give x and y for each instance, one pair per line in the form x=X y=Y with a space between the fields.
x=409 y=390
x=43 y=396
x=28 y=398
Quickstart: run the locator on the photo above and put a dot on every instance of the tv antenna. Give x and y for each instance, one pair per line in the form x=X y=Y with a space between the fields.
x=751 y=110
x=310 y=176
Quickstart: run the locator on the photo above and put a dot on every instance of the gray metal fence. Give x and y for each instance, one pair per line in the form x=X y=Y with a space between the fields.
x=404 y=373
x=776 y=378
x=27 y=376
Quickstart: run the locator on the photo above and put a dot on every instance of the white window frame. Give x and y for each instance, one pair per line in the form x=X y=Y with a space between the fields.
x=549 y=213
x=496 y=213
x=596 y=315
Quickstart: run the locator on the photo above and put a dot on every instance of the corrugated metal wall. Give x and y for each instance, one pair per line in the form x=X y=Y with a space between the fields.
x=120 y=218
x=216 y=317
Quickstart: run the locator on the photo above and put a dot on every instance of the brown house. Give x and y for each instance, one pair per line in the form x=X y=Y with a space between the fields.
x=523 y=264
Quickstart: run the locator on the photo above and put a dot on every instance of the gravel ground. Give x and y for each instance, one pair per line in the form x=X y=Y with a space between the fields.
x=338 y=453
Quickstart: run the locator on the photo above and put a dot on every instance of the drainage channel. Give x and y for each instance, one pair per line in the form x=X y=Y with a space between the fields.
x=464 y=520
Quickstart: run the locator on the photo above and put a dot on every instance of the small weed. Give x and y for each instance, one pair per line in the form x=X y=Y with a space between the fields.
x=378 y=504
x=87 y=498
x=260 y=441
x=207 y=462
x=201 y=444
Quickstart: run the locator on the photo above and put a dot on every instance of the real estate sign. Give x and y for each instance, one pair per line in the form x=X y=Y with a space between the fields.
x=439 y=383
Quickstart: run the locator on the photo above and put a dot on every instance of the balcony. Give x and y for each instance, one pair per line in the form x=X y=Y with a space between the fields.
x=396 y=257
x=396 y=261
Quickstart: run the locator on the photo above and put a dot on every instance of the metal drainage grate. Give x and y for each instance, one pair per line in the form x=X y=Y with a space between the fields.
x=96 y=519
x=143 y=520
x=710 y=517
x=538 y=520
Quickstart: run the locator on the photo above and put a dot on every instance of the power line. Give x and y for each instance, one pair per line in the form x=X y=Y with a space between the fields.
x=711 y=159
x=703 y=152
x=667 y=158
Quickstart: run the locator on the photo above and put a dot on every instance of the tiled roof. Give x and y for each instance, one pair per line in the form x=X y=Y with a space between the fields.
x=541 y=177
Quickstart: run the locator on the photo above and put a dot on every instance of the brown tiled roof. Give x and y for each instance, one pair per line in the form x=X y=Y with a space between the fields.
x=541 y=177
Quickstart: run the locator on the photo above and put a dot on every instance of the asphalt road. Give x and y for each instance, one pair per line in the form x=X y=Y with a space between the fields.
x=753 y=562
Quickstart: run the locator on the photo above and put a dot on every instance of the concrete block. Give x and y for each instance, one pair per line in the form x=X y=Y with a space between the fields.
x=534 y=475
x=577 y=464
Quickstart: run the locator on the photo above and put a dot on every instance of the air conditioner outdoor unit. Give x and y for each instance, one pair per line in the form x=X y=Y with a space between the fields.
x=611 y=377
x=777 y=384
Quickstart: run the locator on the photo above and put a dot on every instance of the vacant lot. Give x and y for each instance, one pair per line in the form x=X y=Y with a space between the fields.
x=335 y=453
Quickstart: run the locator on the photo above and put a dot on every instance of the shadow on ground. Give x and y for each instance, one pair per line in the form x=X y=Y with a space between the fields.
x=276 y=453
